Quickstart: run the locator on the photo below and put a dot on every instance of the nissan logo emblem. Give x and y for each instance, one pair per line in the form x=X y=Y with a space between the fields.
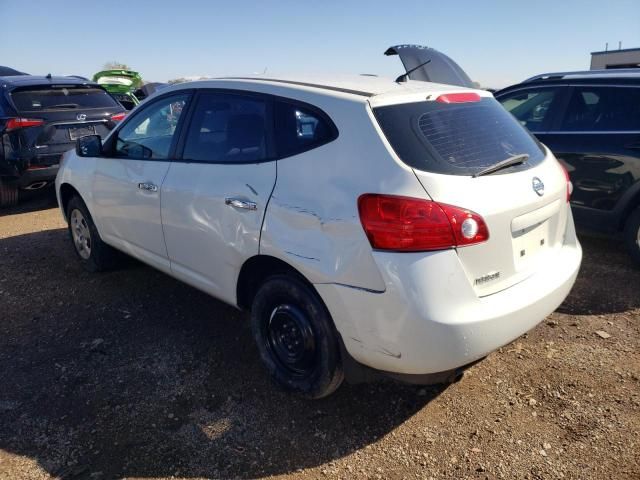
x=81 y=117
x=538 y=186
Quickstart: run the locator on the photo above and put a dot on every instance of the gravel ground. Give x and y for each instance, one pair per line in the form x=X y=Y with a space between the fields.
x=133 y=374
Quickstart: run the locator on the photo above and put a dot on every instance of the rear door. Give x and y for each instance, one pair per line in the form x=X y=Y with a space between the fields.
x=215 y=197
x=448 y=144
x=127 y=182
x=598 y=138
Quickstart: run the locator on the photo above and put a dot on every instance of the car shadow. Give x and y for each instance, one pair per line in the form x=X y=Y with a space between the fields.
x=608 y=282
x=32 y=201
x=133 y=374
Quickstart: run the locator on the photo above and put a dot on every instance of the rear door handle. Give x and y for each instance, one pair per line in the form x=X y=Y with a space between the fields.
x=238 y=203
x=149 y=187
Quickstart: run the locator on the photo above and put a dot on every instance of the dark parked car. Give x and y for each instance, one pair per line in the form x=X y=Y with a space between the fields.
x=591 y=122
x=40 y=119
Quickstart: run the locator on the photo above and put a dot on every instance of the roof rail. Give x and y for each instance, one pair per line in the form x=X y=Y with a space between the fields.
x=585 y=73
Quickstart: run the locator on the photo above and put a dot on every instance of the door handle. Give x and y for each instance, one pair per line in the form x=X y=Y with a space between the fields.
x=238 y=203
x=149 y=187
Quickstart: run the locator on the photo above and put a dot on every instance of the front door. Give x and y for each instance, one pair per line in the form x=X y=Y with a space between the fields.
x=128 y=180
x=215 y=197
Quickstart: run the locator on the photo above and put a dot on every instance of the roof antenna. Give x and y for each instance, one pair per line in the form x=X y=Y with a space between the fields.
x=403 y=78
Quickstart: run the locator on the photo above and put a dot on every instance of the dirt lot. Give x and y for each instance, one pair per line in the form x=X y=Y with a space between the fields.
x=133 y=374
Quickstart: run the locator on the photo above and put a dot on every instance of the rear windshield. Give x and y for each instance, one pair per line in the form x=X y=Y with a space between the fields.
x=61 y=98
x=456 y=138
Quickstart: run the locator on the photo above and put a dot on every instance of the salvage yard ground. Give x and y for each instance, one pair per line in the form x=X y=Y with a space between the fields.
x=133 y=374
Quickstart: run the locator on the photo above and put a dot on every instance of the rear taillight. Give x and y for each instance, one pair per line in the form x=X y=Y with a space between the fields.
x=411 y=224
x=19 y=122
x=568 y=180
x=118 y=116
x=462 y=97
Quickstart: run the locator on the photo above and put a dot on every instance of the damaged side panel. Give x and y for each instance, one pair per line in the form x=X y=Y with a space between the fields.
x=312 y=221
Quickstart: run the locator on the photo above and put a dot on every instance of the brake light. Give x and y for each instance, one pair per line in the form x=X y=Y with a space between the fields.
x=408 y=224
x=462 y=97
x=568 y=180
x=118 y=116
x=19 y=122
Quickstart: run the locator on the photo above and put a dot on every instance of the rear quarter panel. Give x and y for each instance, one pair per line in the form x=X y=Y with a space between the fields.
x=312 y=220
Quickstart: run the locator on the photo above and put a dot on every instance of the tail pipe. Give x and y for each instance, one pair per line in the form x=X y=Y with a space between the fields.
x=36 y=185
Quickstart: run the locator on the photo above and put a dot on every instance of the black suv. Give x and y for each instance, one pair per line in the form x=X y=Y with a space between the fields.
x=591 y=122
x=40 y=119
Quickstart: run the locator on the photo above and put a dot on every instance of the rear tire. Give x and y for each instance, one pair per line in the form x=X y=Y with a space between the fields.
x=296 y=337
x=632 y=235
x=94 y=254
x=8 y=194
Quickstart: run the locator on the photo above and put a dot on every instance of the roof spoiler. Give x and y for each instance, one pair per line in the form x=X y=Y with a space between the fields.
x=429 y=65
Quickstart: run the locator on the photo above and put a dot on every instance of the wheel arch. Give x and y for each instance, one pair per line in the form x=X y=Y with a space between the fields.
x=67 y=192
x=256 y=270
x=629 y=207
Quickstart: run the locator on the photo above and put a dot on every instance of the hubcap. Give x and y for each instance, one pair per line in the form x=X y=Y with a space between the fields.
x=291 y=340
x=81 y=234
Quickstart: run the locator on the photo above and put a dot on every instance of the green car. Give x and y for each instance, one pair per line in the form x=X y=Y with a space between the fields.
x=122 y=85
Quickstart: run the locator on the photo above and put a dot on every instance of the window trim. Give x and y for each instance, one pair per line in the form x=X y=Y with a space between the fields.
x=272 y=147
x=109 y=147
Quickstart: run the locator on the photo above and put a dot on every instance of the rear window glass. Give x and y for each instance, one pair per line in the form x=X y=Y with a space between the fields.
x=227 y=128
x=61 y=98
x=603 y=109
x=298 y=129
x=456 y=139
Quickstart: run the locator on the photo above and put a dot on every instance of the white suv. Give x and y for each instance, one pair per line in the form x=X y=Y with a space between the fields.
x=407 y=227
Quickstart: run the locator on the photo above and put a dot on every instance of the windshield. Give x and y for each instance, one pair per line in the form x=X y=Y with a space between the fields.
x=456 y=138
x=61 y=98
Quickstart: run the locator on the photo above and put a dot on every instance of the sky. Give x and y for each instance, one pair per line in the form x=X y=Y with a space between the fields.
x=497 y=43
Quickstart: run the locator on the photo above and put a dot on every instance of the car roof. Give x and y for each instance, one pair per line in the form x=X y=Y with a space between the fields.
x=28 y=80
x=632 y=73
x=360 y=87
x=627 y=76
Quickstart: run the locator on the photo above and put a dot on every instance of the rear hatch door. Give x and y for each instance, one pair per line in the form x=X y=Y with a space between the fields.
x=67 y=112
x=429 y=65
x=524 y=205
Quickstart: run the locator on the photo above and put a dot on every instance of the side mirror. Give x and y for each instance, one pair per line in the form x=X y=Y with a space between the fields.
x=89 y=146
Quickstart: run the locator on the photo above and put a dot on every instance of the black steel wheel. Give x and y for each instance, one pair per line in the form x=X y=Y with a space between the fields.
x=296 y=337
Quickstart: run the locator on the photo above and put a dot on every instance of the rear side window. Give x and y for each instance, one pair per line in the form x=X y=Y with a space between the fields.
x=61 y=98
x=299 y=128
x=227 y=128
x=456 y=138
x=602 y=109
x=531 y=107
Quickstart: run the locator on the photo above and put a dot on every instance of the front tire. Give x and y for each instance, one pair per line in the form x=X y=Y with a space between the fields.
x=296 y=337
x=632 y=235
x=94 y=254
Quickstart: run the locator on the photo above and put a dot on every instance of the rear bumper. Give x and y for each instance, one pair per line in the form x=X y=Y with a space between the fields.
x=430 y=320
x=36 y=176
